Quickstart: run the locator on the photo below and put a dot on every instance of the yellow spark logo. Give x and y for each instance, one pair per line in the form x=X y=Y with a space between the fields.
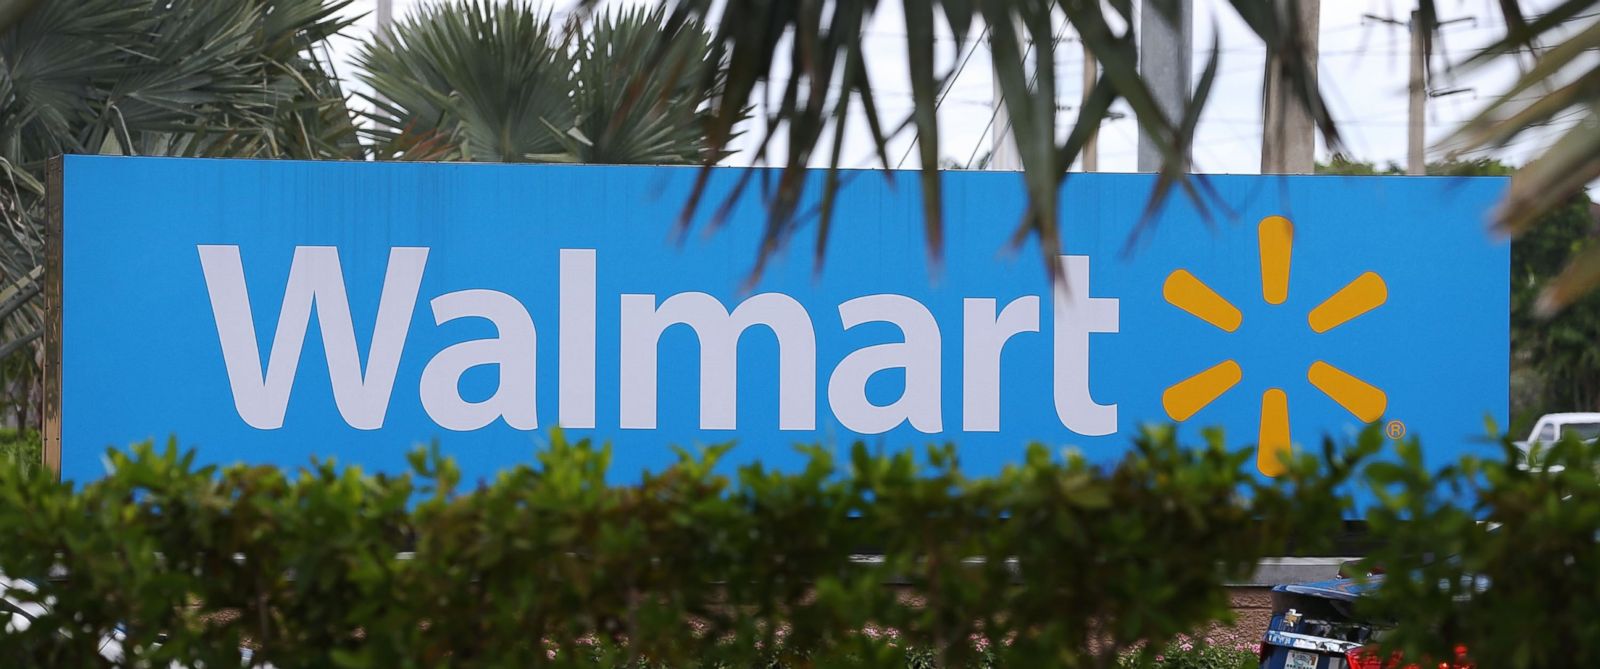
x=1185 y=398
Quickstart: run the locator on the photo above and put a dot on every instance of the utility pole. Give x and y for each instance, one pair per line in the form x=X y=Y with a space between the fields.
x=1164 y=53
x=1416 y=126
x=1289 y=134
x=1091 y=146
x=1416 y=113
x=383 y=17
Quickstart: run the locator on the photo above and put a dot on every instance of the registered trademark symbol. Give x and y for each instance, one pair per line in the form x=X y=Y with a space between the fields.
x=1395 y=429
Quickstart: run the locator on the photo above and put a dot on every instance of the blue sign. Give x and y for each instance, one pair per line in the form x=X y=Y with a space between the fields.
x=271 y=311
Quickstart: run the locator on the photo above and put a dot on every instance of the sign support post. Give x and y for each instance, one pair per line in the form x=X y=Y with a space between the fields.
x=50 y=413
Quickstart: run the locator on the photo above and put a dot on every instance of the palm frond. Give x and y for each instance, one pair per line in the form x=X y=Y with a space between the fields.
x=154 y=77
x=639 y=95
x=489 y=75
x=1559 y=84
x=821 y=44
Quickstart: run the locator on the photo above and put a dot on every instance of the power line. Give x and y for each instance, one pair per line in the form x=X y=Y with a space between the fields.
x=1031 y=81
x=949 y=86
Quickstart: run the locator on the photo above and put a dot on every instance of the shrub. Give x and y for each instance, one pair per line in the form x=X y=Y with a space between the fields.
x=1486 y=557
x=1053 y=562
x=1187 y=653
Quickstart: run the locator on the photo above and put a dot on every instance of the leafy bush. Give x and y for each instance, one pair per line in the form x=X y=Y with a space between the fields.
x=1487 y=557
x=1187 y=653
x=1053 y=562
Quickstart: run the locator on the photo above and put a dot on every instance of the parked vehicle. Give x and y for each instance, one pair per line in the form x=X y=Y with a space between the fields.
x=1314 y=626
x=1552 y=428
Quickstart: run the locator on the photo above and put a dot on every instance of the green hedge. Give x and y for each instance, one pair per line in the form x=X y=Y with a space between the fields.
x=1051 y=563
x=1513 y=575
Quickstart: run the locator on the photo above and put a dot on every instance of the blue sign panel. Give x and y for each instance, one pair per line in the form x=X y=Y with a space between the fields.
x=271 y=311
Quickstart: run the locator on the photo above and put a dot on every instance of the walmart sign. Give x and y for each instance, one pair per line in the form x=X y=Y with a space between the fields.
x=271 y=311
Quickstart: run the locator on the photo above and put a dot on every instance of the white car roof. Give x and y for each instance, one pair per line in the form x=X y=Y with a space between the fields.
x=1572 y=417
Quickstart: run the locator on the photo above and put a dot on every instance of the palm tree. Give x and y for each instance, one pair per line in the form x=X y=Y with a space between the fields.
x=491 y=79
x=633 y=104
x=502 y=82
x=152 y=77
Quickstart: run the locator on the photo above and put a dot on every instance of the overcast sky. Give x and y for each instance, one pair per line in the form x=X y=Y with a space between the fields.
x=1363 y=69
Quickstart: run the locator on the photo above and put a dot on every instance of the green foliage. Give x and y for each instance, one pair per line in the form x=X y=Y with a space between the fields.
x=151 y=77
x=21 y=452
x=1563 y=74
x=1053 y=562
x=1484 y=167
x=491 y=76
x=1557 y=355
x=811 y=57
x=1186 y=653
x=494 y=81
x=1343 y=165
x=1486 y=555
x=642 y=91
x=821 y=52
x=185 y=77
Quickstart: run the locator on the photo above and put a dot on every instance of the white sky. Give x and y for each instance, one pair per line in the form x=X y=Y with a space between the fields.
x=1363 y=70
